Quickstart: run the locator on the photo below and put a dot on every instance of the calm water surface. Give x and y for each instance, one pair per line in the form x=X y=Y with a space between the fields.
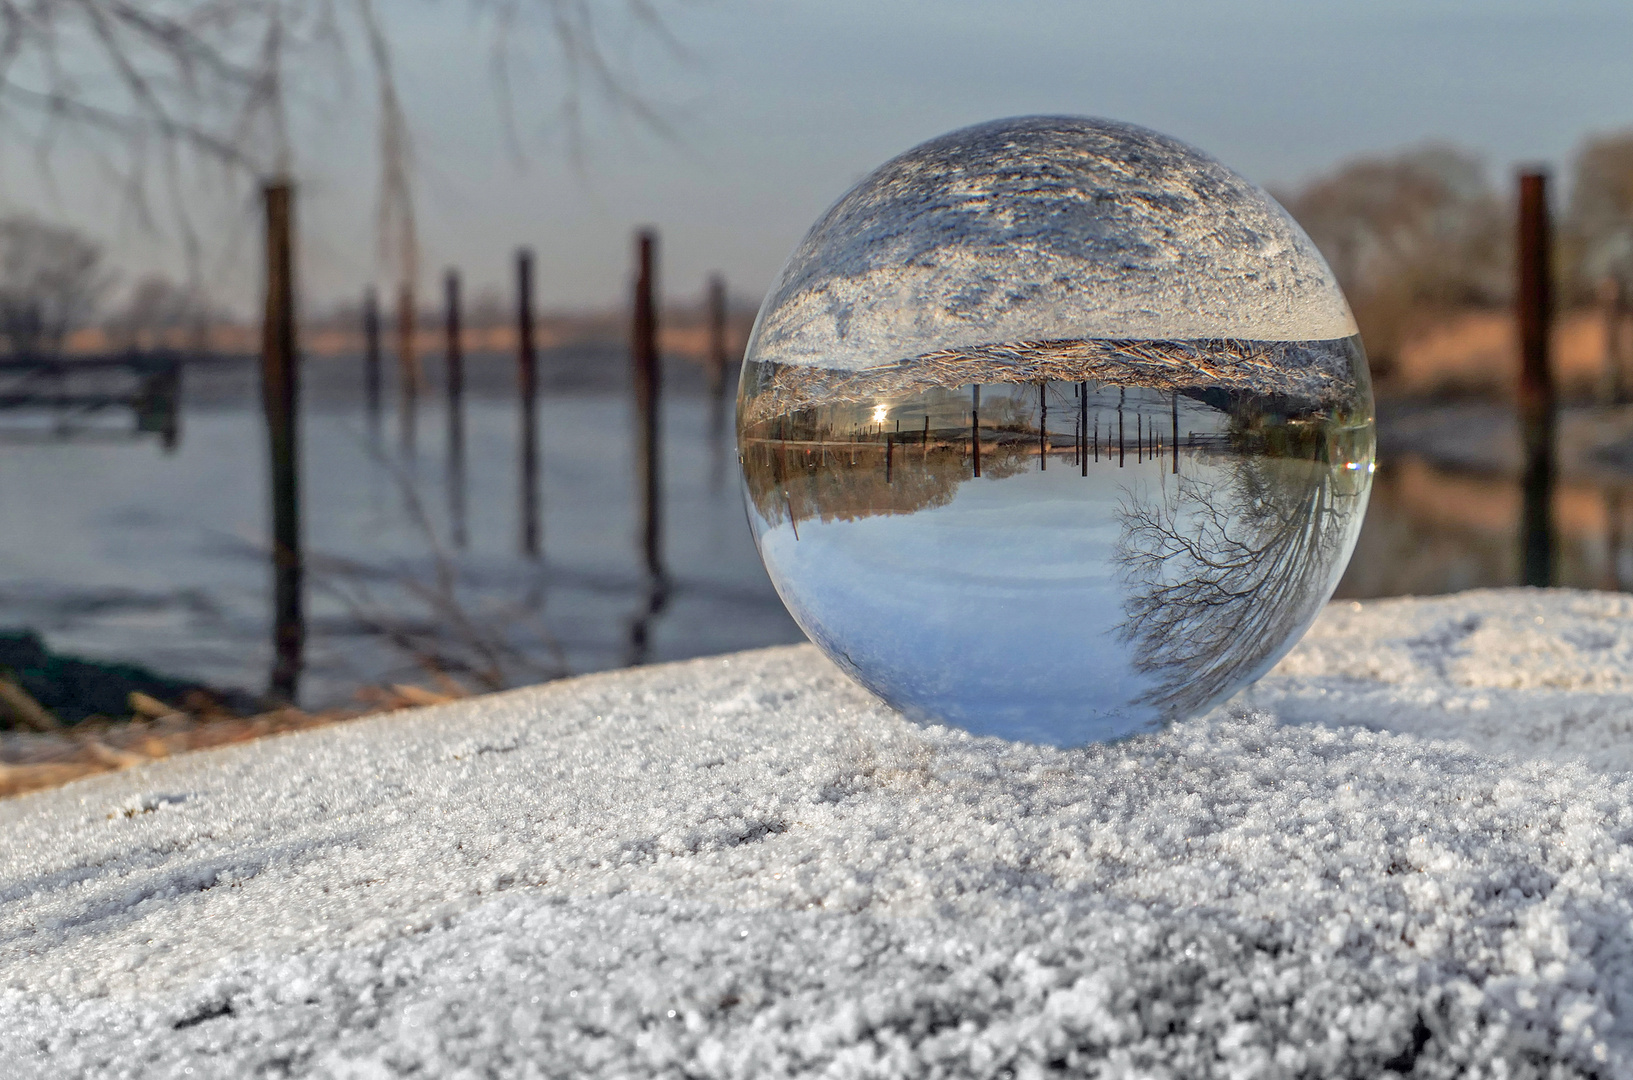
x=119 y=550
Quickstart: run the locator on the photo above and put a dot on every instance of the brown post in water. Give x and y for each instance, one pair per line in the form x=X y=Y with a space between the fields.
x=648 y=387
x=1534 y=311
x=1043 y=426
x=527 y=383
x=280 y=396
x=1083 y=421
x=975 y=427
x=371 y=363
x=408 y=365
x=1120 y=448
x=456 y=410
x=1613 y=306
x=1077 y=430
x=1173 y=448
x=717 y=355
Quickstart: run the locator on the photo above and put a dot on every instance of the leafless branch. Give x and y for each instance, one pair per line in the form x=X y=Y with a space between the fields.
x=177 y=90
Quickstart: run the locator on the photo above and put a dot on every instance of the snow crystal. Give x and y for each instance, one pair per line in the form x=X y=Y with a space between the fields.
x=744 y=867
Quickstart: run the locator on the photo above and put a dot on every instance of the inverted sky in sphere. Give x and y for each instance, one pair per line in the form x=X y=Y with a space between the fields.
x=1046 y=228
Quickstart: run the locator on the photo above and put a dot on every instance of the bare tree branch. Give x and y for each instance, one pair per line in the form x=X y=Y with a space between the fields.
x=176 y=90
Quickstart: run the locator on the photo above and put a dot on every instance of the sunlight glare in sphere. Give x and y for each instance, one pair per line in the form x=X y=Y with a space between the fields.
x=1133 y=432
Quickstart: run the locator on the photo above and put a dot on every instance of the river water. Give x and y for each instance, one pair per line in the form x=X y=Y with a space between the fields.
x=118 y=549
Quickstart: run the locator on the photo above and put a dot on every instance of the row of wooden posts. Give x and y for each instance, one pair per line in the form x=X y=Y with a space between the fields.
x=280 y=371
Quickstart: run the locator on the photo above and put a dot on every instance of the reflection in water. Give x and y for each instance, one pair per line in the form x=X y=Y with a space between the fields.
x=640 y=625
x=1437 y=528
x=1088 y=539
x=1222 y=580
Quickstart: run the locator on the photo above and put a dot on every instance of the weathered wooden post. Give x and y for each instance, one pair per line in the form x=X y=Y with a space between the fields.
x=1121 y=393
x=1083 y=425
x=1173 y=448
x=408 y=365
x=648 y=387
x=456 y=411
x=527 y=379
x=1043 y=426
x=280 y=396
x=371 y=364
x=718 y=361
x=975 y=427
x=1613 y=308
x=1077 y=428
x=1534 y=303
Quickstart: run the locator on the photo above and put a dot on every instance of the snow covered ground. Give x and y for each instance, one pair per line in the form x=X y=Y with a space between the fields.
x=1413 y=856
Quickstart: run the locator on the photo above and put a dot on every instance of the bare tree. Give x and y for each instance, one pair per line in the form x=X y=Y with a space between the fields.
x=488 y=309
x=51 y=278
x=1598 y=232
x=1220 y=573
x=1409 y=237
x=157 y=311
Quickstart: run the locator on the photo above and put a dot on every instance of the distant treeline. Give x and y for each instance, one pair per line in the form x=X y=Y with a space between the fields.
x=682 y=332
x=1421 y=240
x=1425 y=236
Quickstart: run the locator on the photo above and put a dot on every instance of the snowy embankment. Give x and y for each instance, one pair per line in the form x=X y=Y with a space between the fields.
x=1414 y=857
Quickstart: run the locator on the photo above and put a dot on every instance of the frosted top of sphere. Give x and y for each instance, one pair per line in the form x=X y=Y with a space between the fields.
x=1041 y=229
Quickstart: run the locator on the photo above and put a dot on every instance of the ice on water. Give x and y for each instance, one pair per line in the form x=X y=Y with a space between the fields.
x=1055 y=429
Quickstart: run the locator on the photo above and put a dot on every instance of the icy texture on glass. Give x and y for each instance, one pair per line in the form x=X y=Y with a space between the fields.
x=1055 y=429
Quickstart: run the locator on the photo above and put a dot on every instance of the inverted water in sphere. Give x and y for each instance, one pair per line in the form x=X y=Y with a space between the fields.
x=1055 y=429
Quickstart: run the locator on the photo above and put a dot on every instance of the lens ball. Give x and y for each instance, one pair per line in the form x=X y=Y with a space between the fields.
x=1055 y=429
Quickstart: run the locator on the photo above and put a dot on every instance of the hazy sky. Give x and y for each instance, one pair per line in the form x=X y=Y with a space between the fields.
x=777 y=106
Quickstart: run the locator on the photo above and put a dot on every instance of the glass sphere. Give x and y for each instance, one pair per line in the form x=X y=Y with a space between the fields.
x=1055 y=429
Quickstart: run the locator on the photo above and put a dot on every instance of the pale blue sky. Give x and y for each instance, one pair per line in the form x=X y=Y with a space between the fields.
x=779 y=106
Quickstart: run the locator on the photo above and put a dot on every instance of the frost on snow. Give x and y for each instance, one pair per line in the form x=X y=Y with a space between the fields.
x=1406 y=850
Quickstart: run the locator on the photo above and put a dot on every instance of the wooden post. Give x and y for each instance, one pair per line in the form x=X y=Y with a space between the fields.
x=1043 y=427
x=527 y=382
x=1613 y=306
x=1120 y=447
x=1534 y=302
x=280 y=396
x=648 y=388
x=456 y=410
x=975 y=427
x=1173 y=449
x=890 y=456
x=1083 y=423
x=408 y=364
x=371 y=363
x=1077 y=429
x=717 y=356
